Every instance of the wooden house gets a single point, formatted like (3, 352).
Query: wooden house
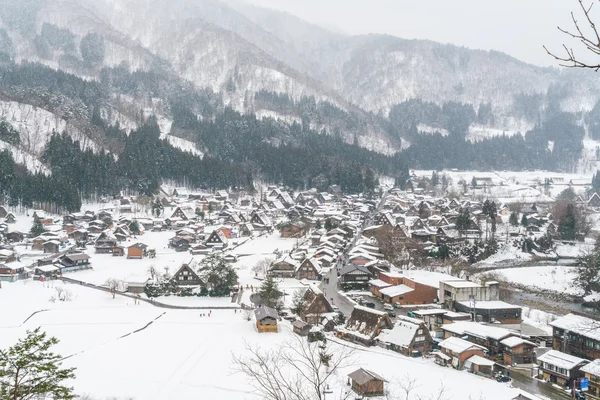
(293, 230)
(184, 213)
(186, 276)
(10, 218)
(364, 325)
(409, 336)
(105, 243)
(460, 350)
(517, 350)
(266, 319)
(11, 272)
(179, 244)
(15, 236)
(577, 334)
(309, 269)
(37, 243)
(217, 239)
(594, 201)
(355, 274)
(75, 260)
(51, 246)
(246, 230)
(260, 221)
(314, 305)
(366, 383)
(3, 212)
(137, 250)
(591, 371)
(560, 368)
(283, 268)
(7, 255)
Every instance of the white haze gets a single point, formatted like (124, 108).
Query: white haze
(516, 27)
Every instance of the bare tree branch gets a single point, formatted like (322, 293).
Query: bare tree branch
(590, 41)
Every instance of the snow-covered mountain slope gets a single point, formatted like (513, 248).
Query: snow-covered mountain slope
(36, 126)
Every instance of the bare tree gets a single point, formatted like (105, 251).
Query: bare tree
(114, 285)
(153, 272)
(248, 314)
(262, 266)
(297, 370)
(63, 294)
(587, 34)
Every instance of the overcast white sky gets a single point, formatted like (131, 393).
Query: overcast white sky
(516, 27)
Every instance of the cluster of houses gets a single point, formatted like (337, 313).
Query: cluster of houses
(433, 219)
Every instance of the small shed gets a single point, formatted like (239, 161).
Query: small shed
(301, 328)
(137, 250)
(479, 365)
(51, 246)
(366, 383)
(118, 251)
(266, 319)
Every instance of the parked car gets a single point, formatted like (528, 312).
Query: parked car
(397, 305)
(369, 304)
(388, 307)
(502, 378)
(391, 314)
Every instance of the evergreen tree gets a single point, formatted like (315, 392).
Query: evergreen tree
(524, 220)
(134, 227)
(37, 228)
(218, 275)
(463, 221)
(269, 292)
(30, 370)
(157, 207)
(370, 181)
(435, 180)
(567, 223)
(473, 183)
(513, 219)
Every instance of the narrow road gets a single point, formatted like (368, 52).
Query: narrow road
(534, 386)
(330, 287)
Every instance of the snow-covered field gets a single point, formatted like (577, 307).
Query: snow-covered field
(556, 278)
(181, 355)
(517, 186)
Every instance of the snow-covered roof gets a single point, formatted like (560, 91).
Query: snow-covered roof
(476, 329)
(478, 360)
(489, 305)
(428, 278)
(561, 360)
(432, 311)
(461, 283)
(514, 341)
(592, 368)
(379, 283)
(459, 345)
(401, 335)
(579, 324)
(394, 291)
(47, 268)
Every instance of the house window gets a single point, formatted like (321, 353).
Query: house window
(420, 331)
(419, 338)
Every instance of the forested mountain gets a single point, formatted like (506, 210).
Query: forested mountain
(105, 95)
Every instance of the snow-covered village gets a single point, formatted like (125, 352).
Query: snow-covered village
(299, 200)
(458, 285)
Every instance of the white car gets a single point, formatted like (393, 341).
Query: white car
(388, 307)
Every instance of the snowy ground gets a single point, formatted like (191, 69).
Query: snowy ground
(556, 278)
(517, 186)
(180, 355)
